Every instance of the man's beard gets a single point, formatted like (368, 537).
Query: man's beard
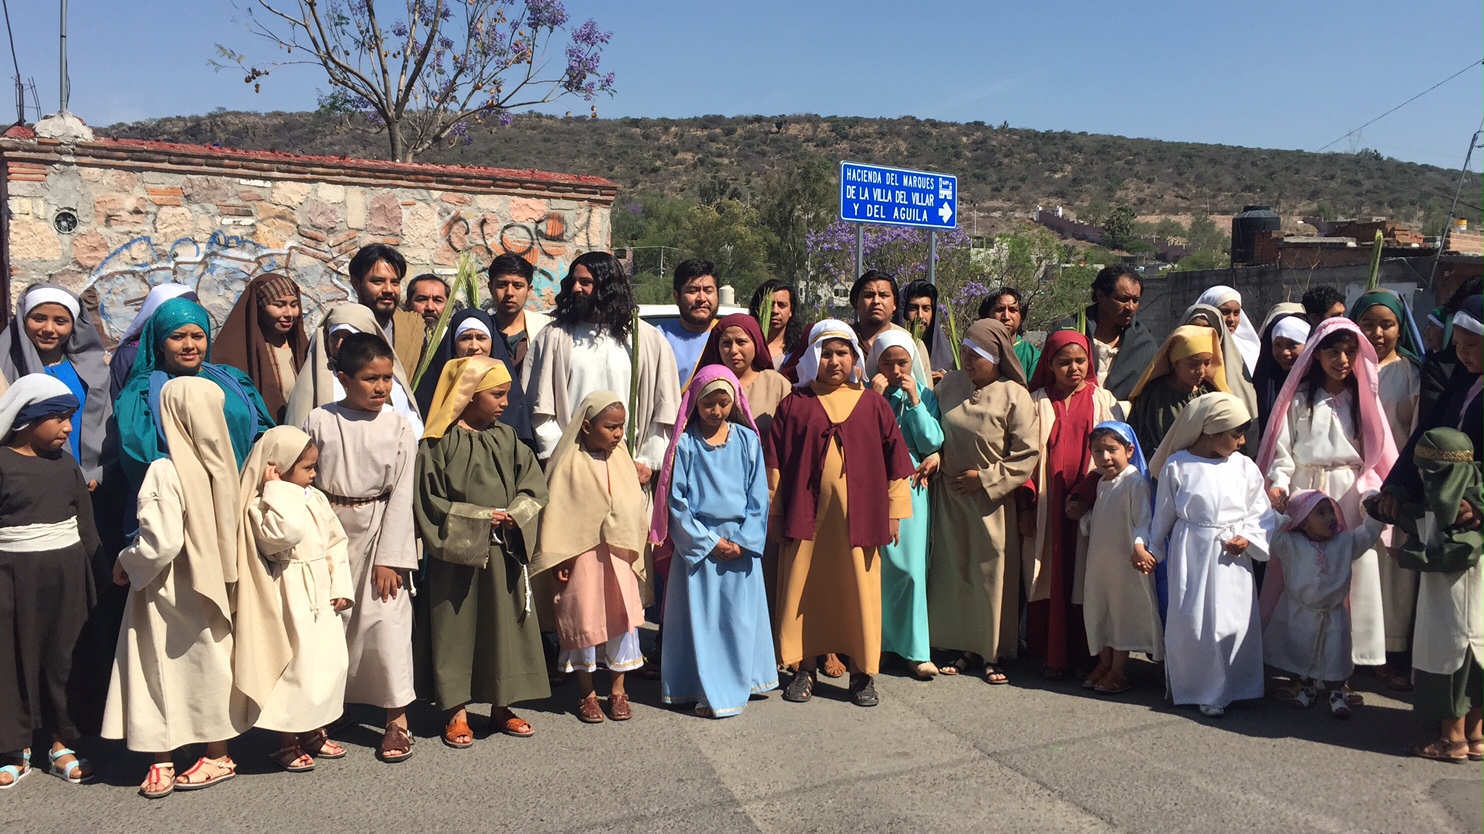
(584, 305)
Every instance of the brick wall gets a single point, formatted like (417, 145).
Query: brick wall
(212, 218)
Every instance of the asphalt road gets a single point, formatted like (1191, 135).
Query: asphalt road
(946, 755)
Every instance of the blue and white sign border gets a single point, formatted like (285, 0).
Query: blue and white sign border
(943, 215)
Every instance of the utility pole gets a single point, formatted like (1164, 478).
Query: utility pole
(1448, 222)
(65, 87)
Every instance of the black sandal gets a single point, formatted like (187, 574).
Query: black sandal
(863, 690)
(801, 688)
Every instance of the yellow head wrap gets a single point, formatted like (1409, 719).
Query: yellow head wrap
(460, 381)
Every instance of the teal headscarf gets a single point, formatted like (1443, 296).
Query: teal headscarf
(139, 436)
(1409, 341)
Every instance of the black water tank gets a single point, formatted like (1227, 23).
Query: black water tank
(1245, 228)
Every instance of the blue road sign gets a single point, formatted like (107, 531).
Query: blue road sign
(897, 197)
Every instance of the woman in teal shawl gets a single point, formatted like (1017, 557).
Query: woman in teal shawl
(136, 409)
(1387, 324)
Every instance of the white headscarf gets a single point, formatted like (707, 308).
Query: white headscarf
(29, 390)
(1246, 336)
(828, 329)
(158, 295)
(471, 323)
(890, 338)
(51, 295)
(1292, 328)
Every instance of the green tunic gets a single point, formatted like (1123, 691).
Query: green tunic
(486, 646)
(1153, 412)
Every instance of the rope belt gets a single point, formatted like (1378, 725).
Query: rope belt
(342, 501)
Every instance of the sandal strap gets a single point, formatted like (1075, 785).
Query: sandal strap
(225, 763)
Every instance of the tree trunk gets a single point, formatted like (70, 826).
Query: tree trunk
(394, 136)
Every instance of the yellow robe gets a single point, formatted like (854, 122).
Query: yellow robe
(829, 593)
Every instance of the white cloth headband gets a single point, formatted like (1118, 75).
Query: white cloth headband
(51, 295)
(1292, 328)
(982, 352)
(343, 328)
(1468, 322)
(808, 369)
(158, 295)
(471, 323)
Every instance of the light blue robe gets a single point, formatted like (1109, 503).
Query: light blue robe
(904, 617)
(718, 647)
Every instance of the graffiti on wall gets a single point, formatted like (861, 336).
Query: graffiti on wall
(219, 267)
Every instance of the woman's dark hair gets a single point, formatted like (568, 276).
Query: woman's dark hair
(1316, 376)
(613, 298)
(1108, 277)
(373, 253)
(359, 350)
(921, 289)
(794, 330)
(986, 307)
(1099, 434)
(871, 276)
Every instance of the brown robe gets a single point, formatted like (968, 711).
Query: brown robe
(974, 569)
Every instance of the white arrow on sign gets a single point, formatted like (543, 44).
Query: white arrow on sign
(945, 212)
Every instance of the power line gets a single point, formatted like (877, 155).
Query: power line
(1399, 106)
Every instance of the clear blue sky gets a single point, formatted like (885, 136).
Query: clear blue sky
(1267, 74)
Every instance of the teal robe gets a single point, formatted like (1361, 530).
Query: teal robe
(904, 617)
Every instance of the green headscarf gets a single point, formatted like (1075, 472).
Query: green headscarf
(140, 443)
(1407, 339)
(1450, 476)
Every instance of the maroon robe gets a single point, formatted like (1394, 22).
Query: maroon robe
(874, 454)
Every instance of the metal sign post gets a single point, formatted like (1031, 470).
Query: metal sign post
(897, 197)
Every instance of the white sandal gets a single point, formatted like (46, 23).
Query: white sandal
(1304, 697)
(1339, 705)
(17, 773)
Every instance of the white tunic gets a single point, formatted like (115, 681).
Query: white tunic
(307, 560)
(1309, 633)
(1450, 620)
(1213, 641)
(1119, 606)
(1319, 448)
(172, 671)
(599, 363)
(1400, 383)
(371, 456)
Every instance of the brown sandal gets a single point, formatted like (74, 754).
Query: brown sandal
(395, 738)
(618, 707)
(1443, 750)
(1096, 676)
(317, 743)
(293, 758)
(511, 724)
(1476, 750)
(832, 666)
(589, 711)
(453, 730)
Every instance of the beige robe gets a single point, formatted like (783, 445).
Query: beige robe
(308, 563)
(1400, 384)
(364, 455)
(829, 593)
(172, 670)
(535, 322)
(974, 570)
(1034, 551)
(764, 394)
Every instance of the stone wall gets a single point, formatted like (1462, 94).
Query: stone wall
(1166, 297)
(119, 216)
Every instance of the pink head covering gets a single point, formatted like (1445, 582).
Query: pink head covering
(1379, 449)
(1303, 502)
(659, 526)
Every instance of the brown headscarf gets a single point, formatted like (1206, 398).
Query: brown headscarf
(241, 343)
(991, 336)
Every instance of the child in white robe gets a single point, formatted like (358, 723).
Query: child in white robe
(290, 657)
(1211, 519)
(1309, 632)
(1119, 608)
(367, 457)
